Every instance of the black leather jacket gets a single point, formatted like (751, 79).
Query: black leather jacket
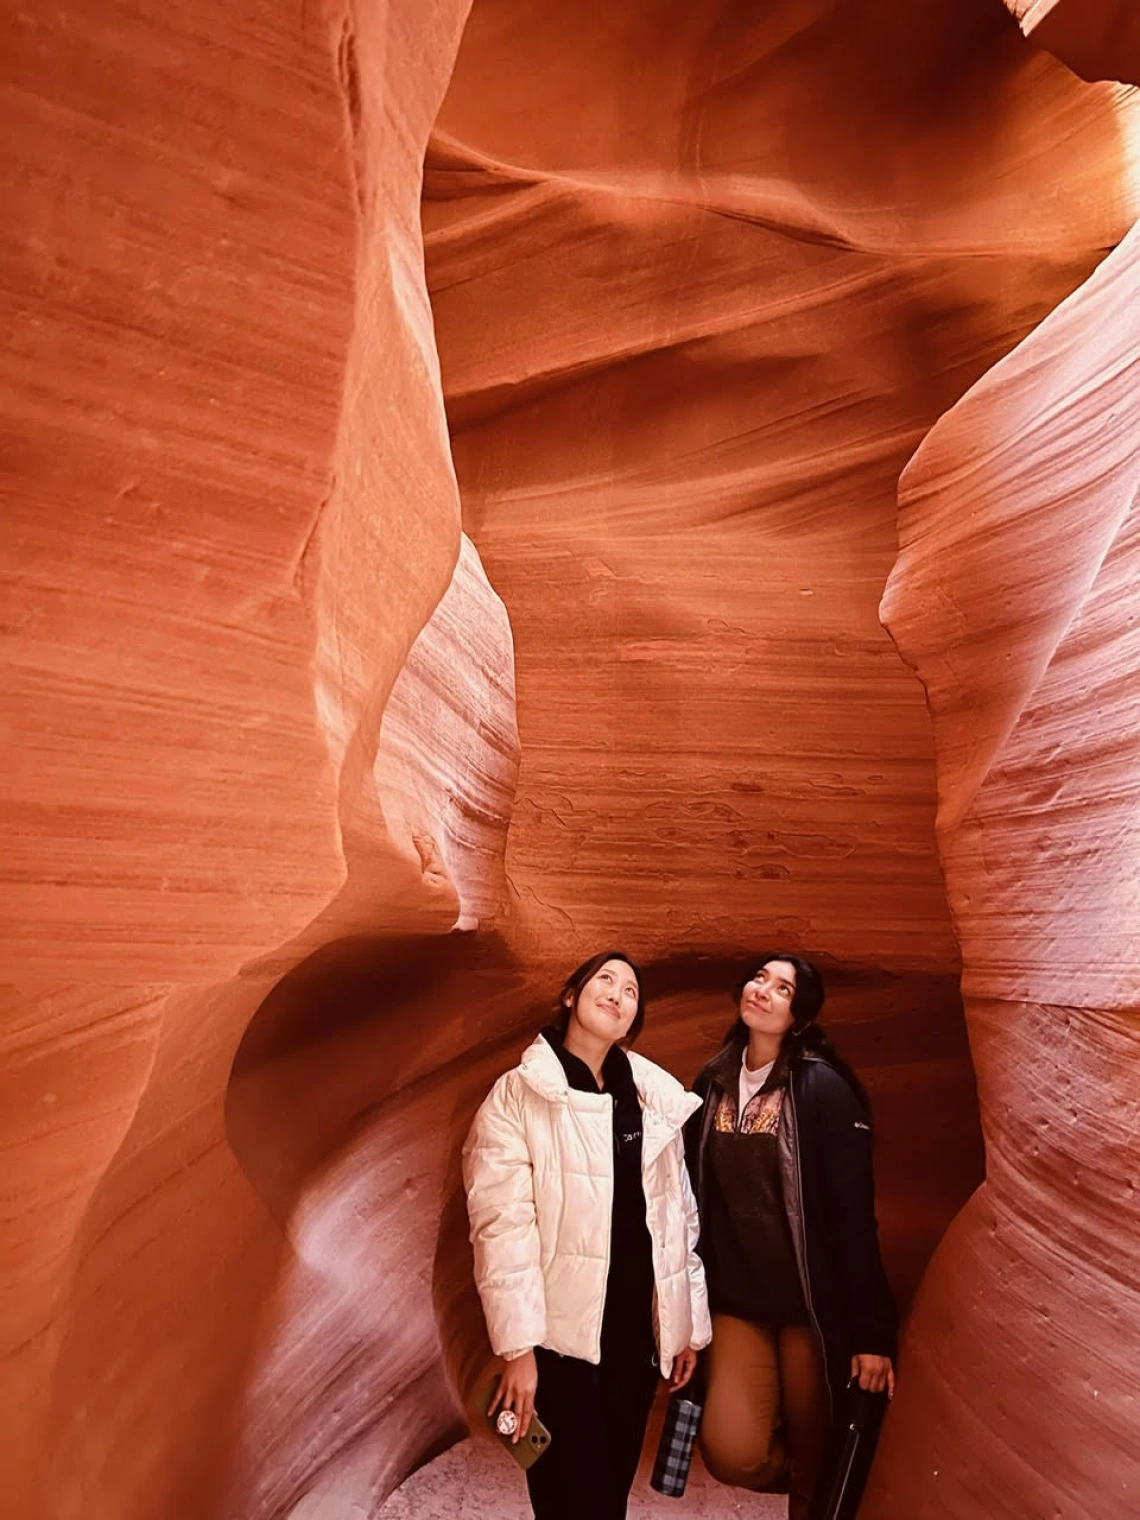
(829, 1195)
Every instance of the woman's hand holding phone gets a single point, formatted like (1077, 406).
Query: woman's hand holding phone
(516, 1391)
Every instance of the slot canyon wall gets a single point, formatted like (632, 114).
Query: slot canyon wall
(320, 648)
(241, 642)
(1019, 524)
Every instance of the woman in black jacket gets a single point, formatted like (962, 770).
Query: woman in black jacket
(780, 1155)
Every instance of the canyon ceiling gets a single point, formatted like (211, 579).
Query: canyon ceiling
(487, 481)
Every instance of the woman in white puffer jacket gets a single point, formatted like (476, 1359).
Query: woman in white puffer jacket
(585, 1228)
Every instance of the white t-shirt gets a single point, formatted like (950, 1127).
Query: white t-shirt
(750, 1083)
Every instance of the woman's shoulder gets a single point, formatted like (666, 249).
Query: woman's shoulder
(661, 1088)
(506, 1094)
(821, 1083)
(654, 1078)
(537, 1074)
(721, 1069)
(497, 1118)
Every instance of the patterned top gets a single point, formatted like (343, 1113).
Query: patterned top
(761, 1117)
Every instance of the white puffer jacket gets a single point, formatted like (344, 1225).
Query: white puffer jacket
(538, 1166)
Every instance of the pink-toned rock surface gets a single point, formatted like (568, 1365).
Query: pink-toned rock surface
(230, 512)
(688, 503)
(693, 317)
(1015, 597)
(445, 765)
(700, 286)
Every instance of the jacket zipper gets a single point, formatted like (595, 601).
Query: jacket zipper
(609, 1229)
(658, 1335)
(801, 1241)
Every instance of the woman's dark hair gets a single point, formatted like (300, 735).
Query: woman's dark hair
(572, 986)
(805, 1036)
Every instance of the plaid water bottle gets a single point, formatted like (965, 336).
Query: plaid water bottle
(675, 1449)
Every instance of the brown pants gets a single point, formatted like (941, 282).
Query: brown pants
(758, 1380)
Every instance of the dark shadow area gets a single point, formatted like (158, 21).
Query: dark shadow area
(346, 1031)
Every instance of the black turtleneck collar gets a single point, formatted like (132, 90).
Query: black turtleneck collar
(617, 1073)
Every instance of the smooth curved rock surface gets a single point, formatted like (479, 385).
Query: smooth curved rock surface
(693, 318)
(260, 688)
(685, 501)
(1098, 39)
(446, 761)
(1015, 598)
(221, 551)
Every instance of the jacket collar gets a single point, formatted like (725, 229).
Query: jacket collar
(661, 1094)
(663, 1099)
(542, 1072)
(724, 1068)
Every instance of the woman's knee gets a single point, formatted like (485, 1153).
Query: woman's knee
(738, 1440)
(741, 1463)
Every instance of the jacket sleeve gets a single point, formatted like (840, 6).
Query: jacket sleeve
(848, 1185)
(698, 1290)
(693, 1126)
(499, 1179)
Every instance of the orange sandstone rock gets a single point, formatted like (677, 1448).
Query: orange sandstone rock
(231, 511)
(1098, 39)
(1015, 598)
(699, 290)
(700, 284)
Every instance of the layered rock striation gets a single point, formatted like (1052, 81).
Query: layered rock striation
(694, 315)
(294, 606)
(232, 527)
(1015, 598)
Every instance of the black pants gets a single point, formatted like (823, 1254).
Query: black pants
(597, 1418)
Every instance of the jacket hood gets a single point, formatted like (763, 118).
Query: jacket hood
(660, 1093)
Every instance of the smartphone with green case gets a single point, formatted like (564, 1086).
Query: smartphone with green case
(536, 1441)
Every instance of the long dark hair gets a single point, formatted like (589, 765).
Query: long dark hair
(572, 986)
(805, 1037)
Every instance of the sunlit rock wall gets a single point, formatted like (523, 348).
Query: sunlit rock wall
(701, 284)
(231, 517)
(1015, 596)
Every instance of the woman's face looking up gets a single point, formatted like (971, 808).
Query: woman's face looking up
(607, 1003)
(766, 1001)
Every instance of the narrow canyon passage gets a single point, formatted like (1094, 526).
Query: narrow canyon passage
(677, 446)
(457, 523)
